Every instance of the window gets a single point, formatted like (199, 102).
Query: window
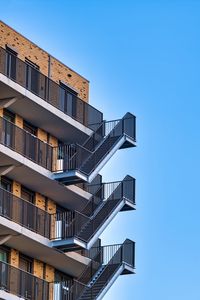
(25, 264)
(11, 62)
(32, 76)
(30, 140)
(6, 183)
(28, 195)
(6, 198)
(30, 128)
(68, 100)
(28, 214)
(4, 255)
(8, 132)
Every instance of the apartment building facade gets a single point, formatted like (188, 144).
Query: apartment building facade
(54, 204)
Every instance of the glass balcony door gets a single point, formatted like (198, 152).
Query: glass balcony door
(3, 269)
(6, 198)
(28, 216)
(67, 99)
(8, 129)
(32, 77)
(30, 142)
(26, 284)
(11, 63)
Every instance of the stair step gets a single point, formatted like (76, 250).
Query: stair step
(91, 226)
(95, 158)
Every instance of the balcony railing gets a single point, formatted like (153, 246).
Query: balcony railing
(47, 89)
(84, 225)
(25, 213)
(22, 284)
(108, 260)
(69, 223)
(62, 158)
(25, 144)
(85, 158)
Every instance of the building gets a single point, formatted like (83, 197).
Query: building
(53, 202)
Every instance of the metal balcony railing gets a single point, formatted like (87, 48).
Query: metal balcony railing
(25, 213)
(85, 158)
(47, 89)
(25, 144)
(22, 284)
(69, 223)
(84, 225)
(108, 261)
(62, 158)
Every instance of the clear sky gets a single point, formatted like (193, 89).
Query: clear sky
(143, 57)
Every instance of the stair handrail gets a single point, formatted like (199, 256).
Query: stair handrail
(78, 146)
(93, 260)
(112, 252)
(103, 123)
(106, 137)
(88, 266)
(72, 225)
(93, 151)
(121, 251)
(92, 219)
(93, 196)
(91, 136)
(71, 146)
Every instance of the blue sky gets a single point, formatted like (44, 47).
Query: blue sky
(143, 57)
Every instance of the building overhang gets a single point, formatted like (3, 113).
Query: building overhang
(39, 247)
(76, 243)
(39, 179)
(41, 113)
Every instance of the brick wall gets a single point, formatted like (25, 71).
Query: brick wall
(58, 71)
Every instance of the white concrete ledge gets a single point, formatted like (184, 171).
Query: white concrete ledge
(44, 104)
(8, 296)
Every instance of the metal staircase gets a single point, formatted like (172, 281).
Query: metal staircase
(113, 261)
(81, 230)
(116, 260)
(83, 162)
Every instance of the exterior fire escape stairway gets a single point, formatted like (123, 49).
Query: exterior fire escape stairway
(83, 162)
(108, 263)
(82, 229)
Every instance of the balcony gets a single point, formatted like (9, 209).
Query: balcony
(108, 263)
(79, 163)
(82, 229)
(27, 228)
(25, 214)
(43, 102)
(27, 159)
(21, 284)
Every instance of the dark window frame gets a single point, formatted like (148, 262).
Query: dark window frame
(30, 192)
